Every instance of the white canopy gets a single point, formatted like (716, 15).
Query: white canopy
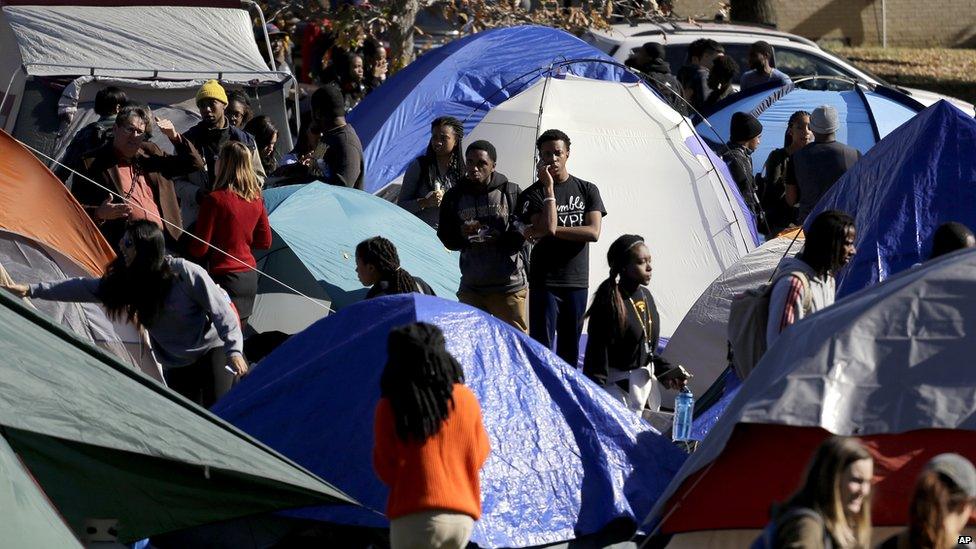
(701, 341)
(637, 151)
(136, 41)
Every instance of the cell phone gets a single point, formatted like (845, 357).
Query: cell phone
(678, 372)
(229, 369)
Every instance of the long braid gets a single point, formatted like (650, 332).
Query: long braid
(382, 254)
(457, 155)
(419, 379)
(608, 302)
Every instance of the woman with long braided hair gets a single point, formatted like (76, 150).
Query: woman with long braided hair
(621, 348)
(430, 176)
(429, 442)
(378, 266)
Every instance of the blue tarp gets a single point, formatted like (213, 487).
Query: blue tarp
(464, 79)
(865, 116)
(322, 224)
(920, 176)
(565, 460)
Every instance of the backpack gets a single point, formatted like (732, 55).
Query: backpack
(767, 538)
(748, 319)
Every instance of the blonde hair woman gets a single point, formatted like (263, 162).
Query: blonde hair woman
(832, 508)
(232, 219)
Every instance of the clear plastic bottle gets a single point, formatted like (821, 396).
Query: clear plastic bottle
(684, 407)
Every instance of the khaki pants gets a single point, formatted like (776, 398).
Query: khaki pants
(507, 307)
(431, 530)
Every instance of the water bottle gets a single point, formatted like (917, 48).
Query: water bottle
(684, 406)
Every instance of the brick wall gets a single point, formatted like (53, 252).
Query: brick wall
(858, 22)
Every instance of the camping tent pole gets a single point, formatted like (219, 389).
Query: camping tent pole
(538, 122)
(264, 31)
(10, 84)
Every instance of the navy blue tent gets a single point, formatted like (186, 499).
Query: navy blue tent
(865, 115)
(566, 459)
(920, 176)
(464, 79)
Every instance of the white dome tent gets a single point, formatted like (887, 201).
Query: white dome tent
(655, 177)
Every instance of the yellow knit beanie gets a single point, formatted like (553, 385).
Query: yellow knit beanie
(212, 90)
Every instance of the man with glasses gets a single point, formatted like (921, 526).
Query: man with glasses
(129, 178)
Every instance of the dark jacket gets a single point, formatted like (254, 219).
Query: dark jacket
(658, 75)
(496, 265)
(815, 168)
(208, 142)
(157, 168)
(382, 288)
(739, 160)
(87, 139)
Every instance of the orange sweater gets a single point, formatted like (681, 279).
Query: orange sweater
(441, 472)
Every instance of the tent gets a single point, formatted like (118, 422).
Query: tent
(866, 115)
(315, 230)
(920, 176)
(701, 341)
(655, 177)
(29, 519)
(138, 46)
(566, 459)
(463, 79)
(890, 364)
(35, 204)
(27, 261)
(106, 443)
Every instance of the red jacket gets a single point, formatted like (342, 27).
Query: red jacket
(234, 225)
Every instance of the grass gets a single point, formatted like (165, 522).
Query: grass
(942, 70)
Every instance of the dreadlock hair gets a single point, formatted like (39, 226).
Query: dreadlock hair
(419, 379)
(382, 254)
(788, 139)
(824, 246)
(608, 303)
(457, 155)
(136, 292)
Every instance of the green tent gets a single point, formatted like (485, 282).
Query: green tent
(28, 518)
(107, 442)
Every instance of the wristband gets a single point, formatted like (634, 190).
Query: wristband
(548, 198)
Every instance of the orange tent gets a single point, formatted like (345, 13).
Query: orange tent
(34, 203)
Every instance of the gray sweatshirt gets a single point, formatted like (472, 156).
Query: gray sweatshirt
(789, 294)
(196, 315)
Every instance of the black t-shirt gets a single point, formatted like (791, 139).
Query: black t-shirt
(609, 347)
(557, 263)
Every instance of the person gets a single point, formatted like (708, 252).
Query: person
(479, 219)
(138, 172)
(832, 508)
(266, 138)
(724, 70)
(351, 78)
(232, 218)
(211, 133)
(745, 135)
(430, 176)
(762, 67)
(429, 442)
(650, 60)
(693, 76)
(378, 266)
(944, 499)
(772, 182)
(338, 157)
(238, 111)
(625, 328)
(192, 328)
(108, 103)
(376, 65)
(280, 47)
(806, 282)
(816, 167)
(563, 215)
(950, 237)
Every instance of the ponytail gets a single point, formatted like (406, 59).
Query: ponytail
(382, 254)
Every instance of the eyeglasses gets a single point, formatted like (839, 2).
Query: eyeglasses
(133, 131)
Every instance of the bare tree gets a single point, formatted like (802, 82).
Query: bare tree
(753, 11)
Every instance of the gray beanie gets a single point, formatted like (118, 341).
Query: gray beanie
(824, 120)
(957, 469)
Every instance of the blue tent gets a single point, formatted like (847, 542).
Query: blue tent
(866, 116)
(464, 79)
(315, 230)
(920, 176)
(566, 459)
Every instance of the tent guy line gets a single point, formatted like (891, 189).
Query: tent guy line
(190, 234)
